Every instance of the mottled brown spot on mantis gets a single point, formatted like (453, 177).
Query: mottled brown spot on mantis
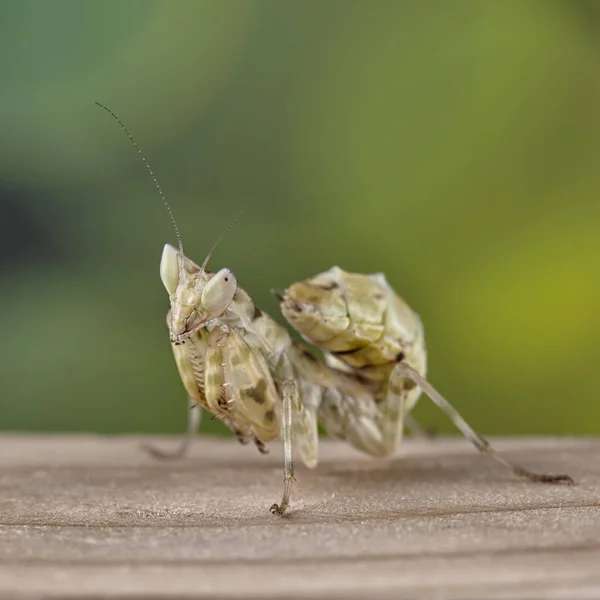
(396, 387)
(258, 392)
(260, 446)
(345, 352)
(408, 384)
(241, 438)
(361, 378)
(270, 415)
(257, 312)
(328, 286)
(309, 356)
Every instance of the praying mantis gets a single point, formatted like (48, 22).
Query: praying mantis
(242, 366)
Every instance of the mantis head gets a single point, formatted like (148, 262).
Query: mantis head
(197, 296)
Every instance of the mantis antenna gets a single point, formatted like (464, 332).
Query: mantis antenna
(223, 234)
(147, 164)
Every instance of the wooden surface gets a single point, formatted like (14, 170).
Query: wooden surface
(91, 516)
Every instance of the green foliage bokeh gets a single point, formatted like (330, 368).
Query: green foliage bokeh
(452, 144)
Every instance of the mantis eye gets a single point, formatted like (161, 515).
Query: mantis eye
(169, 269)
(219, 291)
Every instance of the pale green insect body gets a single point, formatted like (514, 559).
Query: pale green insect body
(239, 364)
(242, 366)
(236, 363)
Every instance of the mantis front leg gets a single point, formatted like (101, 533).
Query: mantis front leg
(240, 391)
(289, 399)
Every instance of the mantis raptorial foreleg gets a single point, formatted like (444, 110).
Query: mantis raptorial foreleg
(403, 371)
(193, 423)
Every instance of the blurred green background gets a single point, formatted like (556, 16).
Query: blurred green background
(452, 144)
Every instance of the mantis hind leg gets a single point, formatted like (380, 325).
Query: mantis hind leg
(193, 423)
(403, 371)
